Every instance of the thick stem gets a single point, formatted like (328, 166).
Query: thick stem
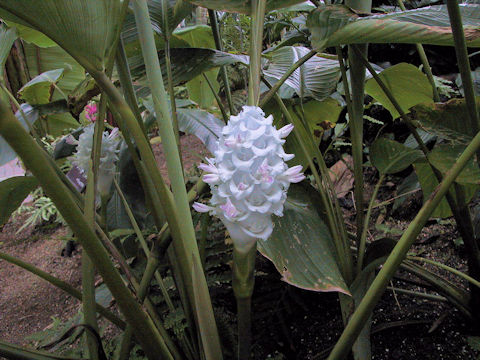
(212, 14)
(256, 43)
(34, 159)
(243, 283)
(398, 254)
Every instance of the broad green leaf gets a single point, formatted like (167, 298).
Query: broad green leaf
(390, 157)
(40, 60)
(301, 247)
(200, 36)
(31, 115)
(187, 63)
(31, 36)
(202, 124)
(177, 11)
(39, 90)
(429, 182)
(12, 193)
(86, 29)
(408, 85)
(334, 25)
(317, 78)
(7, 38)
(448, 120)
(242, 6)
(58, 123)
(443, 157)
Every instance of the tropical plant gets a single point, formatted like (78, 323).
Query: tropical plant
(130, 57)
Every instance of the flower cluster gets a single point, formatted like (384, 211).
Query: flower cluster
(91, 112)
(108, 156)
(248, 176)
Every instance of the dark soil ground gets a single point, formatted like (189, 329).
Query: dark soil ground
(289, 323)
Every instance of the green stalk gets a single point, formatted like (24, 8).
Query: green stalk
(16, 352)
(418, 294)
(447, 268)
(243, 283)
(363, 238)
(33, 158)
(463, 63)
(398, 254)
(256, 37)
(186, 246)
(266, 98)
(62, 285)
(212, 14)
(217, 98)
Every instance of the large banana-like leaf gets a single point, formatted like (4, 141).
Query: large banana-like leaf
(390, 157)
(317, 78)
(7, 37)
(177, 10)
(301, 246)
(12, 193)
(333, 25)
(242, 6)
(86, 29)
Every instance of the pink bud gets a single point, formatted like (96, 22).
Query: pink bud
(202, 208)
(229, 209)
(211, 178)
(209, 168)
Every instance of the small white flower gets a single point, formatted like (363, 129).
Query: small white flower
(248, 176)
(108, 156)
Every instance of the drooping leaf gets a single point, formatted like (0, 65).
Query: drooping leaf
(39, 90)
(12, 193)
(202, 124)
(7, 37)
(198, 88)
(242, 6)
(187, 63)
(390, 157)
(31, 115)
(443, 157)
(446, 120)
(31, 36)
(301, 247)
(177, 10)
(333, 25)
(317, 78)
(40, 60)
(408, 85)
(429, 182)
(86, 29)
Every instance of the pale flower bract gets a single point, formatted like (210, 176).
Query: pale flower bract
(249, 177)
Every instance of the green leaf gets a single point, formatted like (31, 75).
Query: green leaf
(408, 85)
(301, 247)
(200, 36)
(7, 38)
(242, 6)
(86, 29)
(40, 89)
(449, 120)
(202, 124)
(390, 157)
(12, 193)
(334, 25)
(429, 182)
(31, 36)
(40, 60)
(443, 157)
(177, 11)
(317, 78)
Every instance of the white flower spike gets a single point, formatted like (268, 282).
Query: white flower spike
(108, 156)
(248, 176)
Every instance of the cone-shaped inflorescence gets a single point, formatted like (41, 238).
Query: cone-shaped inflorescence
(248, 176)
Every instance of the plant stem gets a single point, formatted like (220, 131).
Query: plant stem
(463, 64)
(243, 283)
(256, 44)
(266, 98)
(397, 255)
(212, 14)
(363, 238)
(34, 159)
(69, 289)
(217, 98)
